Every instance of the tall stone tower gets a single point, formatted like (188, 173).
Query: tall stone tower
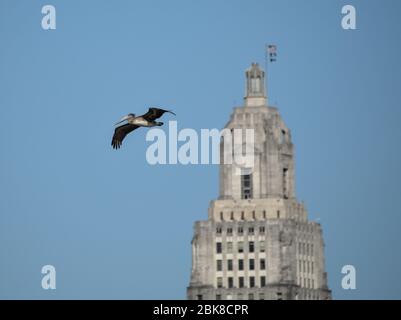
(257, 242)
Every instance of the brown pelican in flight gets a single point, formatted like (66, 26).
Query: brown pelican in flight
(134, 122)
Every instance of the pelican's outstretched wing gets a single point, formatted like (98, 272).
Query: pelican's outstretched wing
(154, 113)
(120, 133)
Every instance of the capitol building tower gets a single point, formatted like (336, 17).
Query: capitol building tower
(257, 243)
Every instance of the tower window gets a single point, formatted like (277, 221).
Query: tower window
(251, 246)
(246, 186)
(230, 265)
(251, 264)
(251, 282)
(282, 138)
(230, 282)
(262, 264)
(242, 215)
(240, 247)
(240, 230)
(262, 281)
(229, 231)
(241, 282)
(218, 247)
(219, 265)
(229, 247)
(251, 230)
(240, 264)
(264, 214)
(232, 215)
(262, 230)
(219, 282)
(285, 183)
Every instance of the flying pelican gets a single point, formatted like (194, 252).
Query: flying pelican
(134, 122)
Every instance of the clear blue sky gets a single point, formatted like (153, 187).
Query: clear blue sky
(116, 227)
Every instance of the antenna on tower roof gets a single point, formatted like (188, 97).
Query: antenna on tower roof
(270, 56)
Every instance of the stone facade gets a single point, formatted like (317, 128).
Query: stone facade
(257, 242)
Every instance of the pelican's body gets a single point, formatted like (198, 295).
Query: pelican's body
(141, 122)
(134, 122)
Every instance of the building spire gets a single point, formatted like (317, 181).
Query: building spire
(255, 92)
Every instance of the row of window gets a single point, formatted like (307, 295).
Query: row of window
(240, 230)
(241, 282)
(240, 247)
(309, 296)
(251, 264)
(240, 296)
(308, 228)
(247, 194)
(244, 115)
(305, 248)
(261, 295)
(305, 266)
(306, 283)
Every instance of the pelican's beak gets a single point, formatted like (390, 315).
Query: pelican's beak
(122, 120)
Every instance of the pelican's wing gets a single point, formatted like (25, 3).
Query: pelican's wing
(154, 113)
(120, 133)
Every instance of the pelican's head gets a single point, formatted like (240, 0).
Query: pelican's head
(127, 117)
